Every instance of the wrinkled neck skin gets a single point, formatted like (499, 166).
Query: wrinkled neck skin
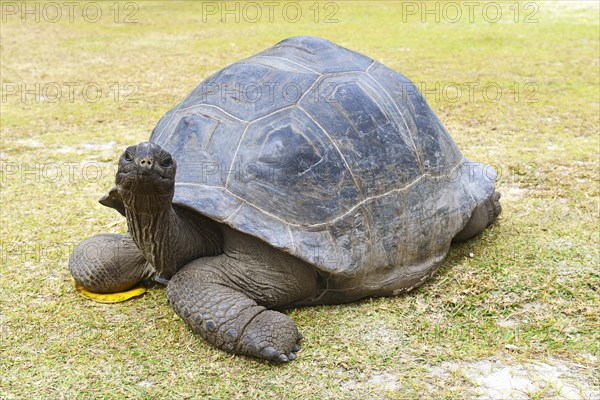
(168, 238)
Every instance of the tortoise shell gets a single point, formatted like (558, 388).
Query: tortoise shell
(328, 155)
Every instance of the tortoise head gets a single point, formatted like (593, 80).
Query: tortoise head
(146, 169)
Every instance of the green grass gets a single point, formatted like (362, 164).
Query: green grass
(531, 283)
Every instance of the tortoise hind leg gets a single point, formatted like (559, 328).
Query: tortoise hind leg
(483, 216)
(225, 300)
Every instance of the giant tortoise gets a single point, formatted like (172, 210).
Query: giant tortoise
(305, 174)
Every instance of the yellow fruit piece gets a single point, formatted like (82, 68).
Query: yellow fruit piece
(118, 297)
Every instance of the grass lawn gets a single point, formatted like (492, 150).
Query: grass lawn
(515, 83)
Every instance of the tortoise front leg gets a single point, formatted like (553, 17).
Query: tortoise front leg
(108, 263)
(217, 298)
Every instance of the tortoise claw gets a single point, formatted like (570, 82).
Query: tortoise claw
(269, 353)
(283, 358)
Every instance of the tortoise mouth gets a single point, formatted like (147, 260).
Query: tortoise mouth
(143, 175)
(145, 182)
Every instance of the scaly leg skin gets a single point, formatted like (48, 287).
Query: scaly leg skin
(108, 263)
(224, 313)
(482, 217)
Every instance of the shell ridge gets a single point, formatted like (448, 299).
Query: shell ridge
(359, 191)
(408, 132)
(291, 235)
(373, 62)
(339, 216)
(290, 61)
(309, 90)
(272, 113)
(232, 214)
(237, 149)
(200, 106)
(174, 112)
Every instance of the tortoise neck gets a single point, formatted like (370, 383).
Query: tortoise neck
(170, 237)
(152, 224)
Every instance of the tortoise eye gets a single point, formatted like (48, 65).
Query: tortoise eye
(128, 156)
(167, 162)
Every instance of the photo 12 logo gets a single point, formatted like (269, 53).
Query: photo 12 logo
(19, 253)
(69, 92)
(471, 11)
(267, 92)
(471, 92)
(12, 172)
(270, 11)
(69, 11)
